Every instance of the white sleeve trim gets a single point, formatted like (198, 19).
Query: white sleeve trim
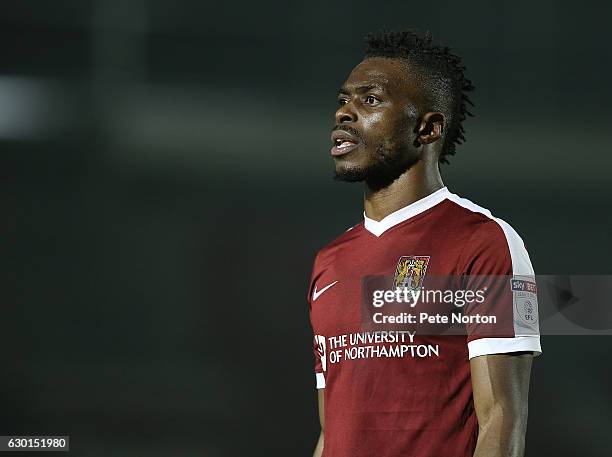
(486, 346)
(320, 380)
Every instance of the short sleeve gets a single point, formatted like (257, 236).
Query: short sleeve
(496, 262)
(319, 358)
(318, 341)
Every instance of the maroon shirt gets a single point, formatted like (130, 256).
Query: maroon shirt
(394, 394)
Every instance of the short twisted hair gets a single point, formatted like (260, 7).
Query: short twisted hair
(442, 76)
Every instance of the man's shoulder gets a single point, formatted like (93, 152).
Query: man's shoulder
(492, 235)
(350, 235)
(480, 219)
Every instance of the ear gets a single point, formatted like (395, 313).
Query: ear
(431, 127)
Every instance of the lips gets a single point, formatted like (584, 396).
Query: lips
(344, 142)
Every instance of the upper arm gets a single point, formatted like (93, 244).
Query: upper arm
(500, 384)
(321, 397)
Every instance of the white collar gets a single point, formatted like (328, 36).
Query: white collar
(379, 227)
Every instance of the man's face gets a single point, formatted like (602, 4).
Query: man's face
(374, 134)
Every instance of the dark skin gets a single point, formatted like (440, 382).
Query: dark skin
(389, 115)
(381, 103)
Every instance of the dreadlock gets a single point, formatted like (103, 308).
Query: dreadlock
(442, 73)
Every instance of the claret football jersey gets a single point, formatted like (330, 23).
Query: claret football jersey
(401, 393)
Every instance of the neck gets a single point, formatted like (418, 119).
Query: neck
(419, 181)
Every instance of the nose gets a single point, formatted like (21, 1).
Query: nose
(345, 113)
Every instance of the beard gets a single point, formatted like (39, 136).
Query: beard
(387, 165)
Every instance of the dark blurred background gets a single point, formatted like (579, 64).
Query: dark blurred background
(167, 184)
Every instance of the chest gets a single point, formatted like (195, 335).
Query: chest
(344, 281)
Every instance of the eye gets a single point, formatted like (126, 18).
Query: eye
(371, 100)
(342, 101)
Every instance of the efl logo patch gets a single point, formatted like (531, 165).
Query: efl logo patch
(525, 298)
(410, 271)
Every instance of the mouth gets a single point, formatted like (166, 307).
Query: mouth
(343, 143)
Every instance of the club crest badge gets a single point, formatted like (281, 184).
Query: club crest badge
(410, 272)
